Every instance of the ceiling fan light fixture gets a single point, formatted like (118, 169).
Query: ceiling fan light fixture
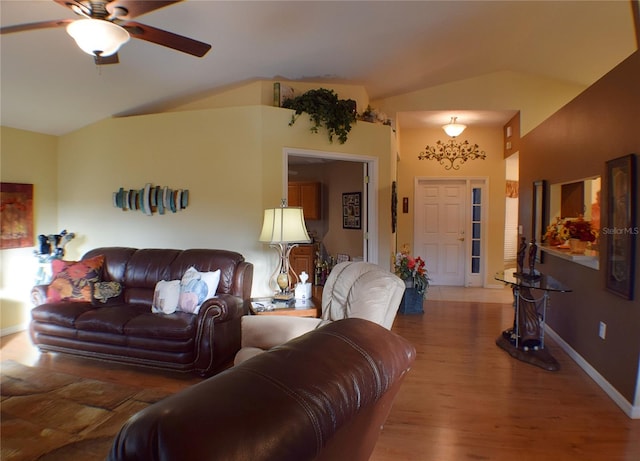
(98, 37)
(453, 129)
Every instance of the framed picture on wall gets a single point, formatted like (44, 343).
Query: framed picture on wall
(16, 224)
(351, 206)
(621, 232)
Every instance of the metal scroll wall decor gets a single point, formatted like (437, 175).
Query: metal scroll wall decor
(452, 152)
(151, 199)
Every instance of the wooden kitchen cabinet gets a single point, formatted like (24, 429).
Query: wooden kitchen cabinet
(302, 258)
(307, 195)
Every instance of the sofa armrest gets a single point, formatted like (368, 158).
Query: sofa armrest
(218, 331)
(39, 294)
(223, 307)
(243, 281)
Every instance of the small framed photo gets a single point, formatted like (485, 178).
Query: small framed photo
(351, 210)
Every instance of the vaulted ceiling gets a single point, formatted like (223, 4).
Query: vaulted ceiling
(390, 47)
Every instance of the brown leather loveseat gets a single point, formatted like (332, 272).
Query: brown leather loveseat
(322, 396)
(129, 332)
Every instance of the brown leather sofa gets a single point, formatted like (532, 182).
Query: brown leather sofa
(322, 396)
(130, 333)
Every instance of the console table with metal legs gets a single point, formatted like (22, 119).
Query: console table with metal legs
(525, 340)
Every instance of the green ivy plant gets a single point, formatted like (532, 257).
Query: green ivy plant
(324, 108)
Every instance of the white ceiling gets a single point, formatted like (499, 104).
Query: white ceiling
(391, 47)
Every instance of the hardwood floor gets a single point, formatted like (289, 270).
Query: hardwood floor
(464, 399)
(467, 399)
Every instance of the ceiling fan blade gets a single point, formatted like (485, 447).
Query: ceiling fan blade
(103, 60)
(168, 39)
(35, 26)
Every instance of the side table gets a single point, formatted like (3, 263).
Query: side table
(265, 306)
(525, 341)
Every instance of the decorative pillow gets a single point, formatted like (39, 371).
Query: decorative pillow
(72, 279)
(165, 297)
(106, 293)
(196, 287)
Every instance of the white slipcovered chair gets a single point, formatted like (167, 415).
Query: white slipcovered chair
(353, 289)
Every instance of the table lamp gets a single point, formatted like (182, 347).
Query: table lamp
(283, 228)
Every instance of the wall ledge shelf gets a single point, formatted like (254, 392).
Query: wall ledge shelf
(590, 259)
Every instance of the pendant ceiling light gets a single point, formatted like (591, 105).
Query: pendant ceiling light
(454, 129)
(98, 37)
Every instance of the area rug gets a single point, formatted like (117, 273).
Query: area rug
(49, 416)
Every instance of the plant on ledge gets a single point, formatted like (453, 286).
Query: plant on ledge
(580, 229)
(324, 108)
(412, 269)
(556, 233)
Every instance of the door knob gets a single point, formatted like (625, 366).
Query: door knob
(461, 239)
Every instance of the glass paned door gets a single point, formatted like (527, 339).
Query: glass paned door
(476, 229)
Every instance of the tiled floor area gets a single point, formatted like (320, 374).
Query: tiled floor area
(485, 295)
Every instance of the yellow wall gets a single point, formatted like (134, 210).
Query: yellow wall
(260, 92)
(536, 97)
(227, 149)
(366, 140)
(489, 140)
(30, 158)
(230, 159)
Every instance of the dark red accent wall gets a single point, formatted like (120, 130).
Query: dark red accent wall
(600, 124)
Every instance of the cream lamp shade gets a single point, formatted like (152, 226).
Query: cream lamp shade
(453, 129)
(284, 225)
(98, 37)
(283, 228)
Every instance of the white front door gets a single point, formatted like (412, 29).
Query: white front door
(439, 229)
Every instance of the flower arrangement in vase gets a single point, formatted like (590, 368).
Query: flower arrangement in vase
(412, 269)
(556, 233)
(580, 229)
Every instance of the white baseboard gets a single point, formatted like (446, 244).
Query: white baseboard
(627, 407)
(14, 329)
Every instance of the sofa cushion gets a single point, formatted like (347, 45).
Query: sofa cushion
(165, 297)
(147, 266)
(176, 326)
(106, 294)
(110, 319)
(195, 288)
(72, 279)
(64, 314)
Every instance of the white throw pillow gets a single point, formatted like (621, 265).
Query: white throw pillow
(195, 288)
(165, 297)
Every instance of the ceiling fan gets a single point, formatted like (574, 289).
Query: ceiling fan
(105, 26)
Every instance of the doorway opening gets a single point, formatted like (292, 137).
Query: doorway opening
(512, 173)
(338, 174)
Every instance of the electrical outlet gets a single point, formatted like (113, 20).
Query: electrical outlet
(602, 331)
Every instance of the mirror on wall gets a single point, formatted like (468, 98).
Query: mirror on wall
(539, 220)
(572, 199)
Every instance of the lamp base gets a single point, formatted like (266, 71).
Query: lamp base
(281, 297)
